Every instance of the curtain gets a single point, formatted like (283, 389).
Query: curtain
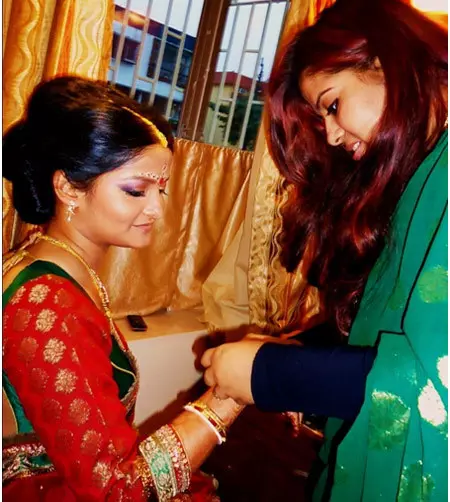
(259, 291)
(41, 39)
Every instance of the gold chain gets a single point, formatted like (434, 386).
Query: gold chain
(99, 286)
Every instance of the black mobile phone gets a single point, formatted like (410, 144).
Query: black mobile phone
(137, 323)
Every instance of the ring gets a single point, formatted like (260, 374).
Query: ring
(215, 394)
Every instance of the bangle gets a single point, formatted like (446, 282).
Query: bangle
(145, 474)
(180, 462)
(211, 418)
(220, 440)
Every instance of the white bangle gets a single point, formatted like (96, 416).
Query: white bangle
(206, 421)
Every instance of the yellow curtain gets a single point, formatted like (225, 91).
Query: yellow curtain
(206, 204)
(41, 39)
(258, 290)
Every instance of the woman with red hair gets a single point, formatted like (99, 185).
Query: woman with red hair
(357, 125)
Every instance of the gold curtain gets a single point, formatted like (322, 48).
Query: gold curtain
(41, 39)
(258, 290)
(206, 204)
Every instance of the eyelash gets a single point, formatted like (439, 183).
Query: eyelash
(140, 193)
(333, 108)
(135, 193)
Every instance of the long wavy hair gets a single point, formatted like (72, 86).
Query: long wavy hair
(339, 210)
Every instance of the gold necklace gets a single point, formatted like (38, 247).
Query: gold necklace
(99, 286)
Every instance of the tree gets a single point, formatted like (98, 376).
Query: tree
(239, 115)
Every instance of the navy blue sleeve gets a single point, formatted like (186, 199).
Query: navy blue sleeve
(328, 381)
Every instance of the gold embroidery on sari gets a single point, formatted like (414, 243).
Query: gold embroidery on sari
(17, 296)
(21, 320)
(433, 285)
(27, 349)
(101, 474)
(91, 443)
(79, 411)
(38, 293)
(63, 298)
(45, 320)
(17, 460)
(414, 484)
(39, 380)
(74, 356)
(65, 381)
(54, 351)
(388, 422)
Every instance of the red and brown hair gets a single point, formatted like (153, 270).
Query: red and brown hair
(341, 209)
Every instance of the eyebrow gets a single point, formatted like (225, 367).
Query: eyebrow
(319, 97)
(155, 179)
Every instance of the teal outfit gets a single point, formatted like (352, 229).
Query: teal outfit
(396, 449)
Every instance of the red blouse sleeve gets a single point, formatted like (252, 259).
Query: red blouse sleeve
(56, 355)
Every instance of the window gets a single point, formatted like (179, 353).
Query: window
(248, 46)
(129, 51)
(155, 57)
(153, 46)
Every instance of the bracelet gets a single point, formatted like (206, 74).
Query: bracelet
(220, 440)
(145, 474)
(180, 462)
(211, 418)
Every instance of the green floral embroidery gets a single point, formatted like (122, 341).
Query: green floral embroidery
(433, 285)
(414, 486)
(388, 421)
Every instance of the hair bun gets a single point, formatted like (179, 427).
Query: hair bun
(32, 195)
(15, 143)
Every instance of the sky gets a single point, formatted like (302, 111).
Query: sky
(159, 9)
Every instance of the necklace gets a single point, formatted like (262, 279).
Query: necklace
(99, 286)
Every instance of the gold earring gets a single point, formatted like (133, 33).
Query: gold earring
(70, 211)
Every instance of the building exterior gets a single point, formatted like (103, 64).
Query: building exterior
(226, 96)
(125, 73)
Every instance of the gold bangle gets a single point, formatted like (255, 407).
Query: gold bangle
(180, 462)
(212, 418)
(145, 475)
(160, 466)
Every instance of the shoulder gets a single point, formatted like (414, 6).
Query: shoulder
(48, 305)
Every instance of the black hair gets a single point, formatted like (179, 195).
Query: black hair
(79, 126)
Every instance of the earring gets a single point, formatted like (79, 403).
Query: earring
(70, 211)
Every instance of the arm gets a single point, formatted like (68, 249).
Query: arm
(283, 376)
(326, 381)
(56, 355)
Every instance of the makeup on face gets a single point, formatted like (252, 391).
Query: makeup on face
(137, 184)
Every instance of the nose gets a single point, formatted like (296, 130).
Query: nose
(155, 206)
(335, 134)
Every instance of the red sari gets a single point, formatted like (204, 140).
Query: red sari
(71, 389)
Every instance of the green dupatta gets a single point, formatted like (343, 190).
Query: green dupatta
(396, 450)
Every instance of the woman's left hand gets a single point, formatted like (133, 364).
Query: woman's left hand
(229, 369)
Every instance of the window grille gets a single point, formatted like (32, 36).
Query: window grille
(237, 96)
(152, 54)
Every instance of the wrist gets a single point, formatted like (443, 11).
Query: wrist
(227, 409)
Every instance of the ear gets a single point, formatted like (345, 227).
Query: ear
(65, 191)
(376, 64)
